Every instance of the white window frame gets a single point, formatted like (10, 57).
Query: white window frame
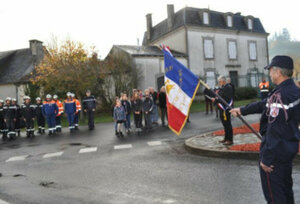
(231, 55)
(250, 23)
(208, 52)
(205, 18)
(229, 19)
(252, 51)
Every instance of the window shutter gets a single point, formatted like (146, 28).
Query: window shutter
(232, 50)
(252, 51)
(205, 18)
(208, 49)
(229, 21)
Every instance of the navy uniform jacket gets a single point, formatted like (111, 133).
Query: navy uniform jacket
(279, 128)
(89, 103)
(226, 92)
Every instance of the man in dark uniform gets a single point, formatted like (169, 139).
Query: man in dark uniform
(10, 117)
(89, 107)
(279, 129)
(2, 124)
(226, 93)
(18, 119)
(28, 114)
(39, 115)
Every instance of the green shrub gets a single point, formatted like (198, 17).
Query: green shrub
(242, 93)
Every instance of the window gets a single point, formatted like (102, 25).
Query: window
(208, 49)
(232, 50)
(253, 78)
(252, 51)
(205, 18)
(211, 79)
(229, 21)
(250, 25)
(234, 77)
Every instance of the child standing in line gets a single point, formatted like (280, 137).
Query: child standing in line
(127, 107)
(119, 117)
(137, 107)
(147, 109)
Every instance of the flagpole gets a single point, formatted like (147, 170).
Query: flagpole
(238, 115)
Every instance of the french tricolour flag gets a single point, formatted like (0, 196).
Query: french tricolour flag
(181, 87)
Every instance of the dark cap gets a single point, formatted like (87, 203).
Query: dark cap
(282, 62)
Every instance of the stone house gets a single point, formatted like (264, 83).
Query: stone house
(15, 69)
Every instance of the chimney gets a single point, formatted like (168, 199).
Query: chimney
(149, 25)
(36, 48)
(170, 9)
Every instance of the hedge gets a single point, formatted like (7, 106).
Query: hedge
(242, 93)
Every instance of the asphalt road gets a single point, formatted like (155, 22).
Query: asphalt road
(96, 167)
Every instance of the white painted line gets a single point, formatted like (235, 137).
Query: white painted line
(17, 158)
(126, 146)
(89, 149)
(55, 154)
(154, 143)
(3, 202)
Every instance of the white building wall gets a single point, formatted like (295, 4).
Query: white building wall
(13, 91)
(152, 68)
(175, 40)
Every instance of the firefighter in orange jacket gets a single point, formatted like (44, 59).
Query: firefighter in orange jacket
(78, 109)
(59, 114)
(264, 88)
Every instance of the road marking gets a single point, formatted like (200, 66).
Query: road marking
(154, 143)
(169, 201)
(3, 202)
(126, 146)
(17, 158)
(89, 149)
(55, 154)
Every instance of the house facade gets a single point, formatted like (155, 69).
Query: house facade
(15, 69)
(149, 60)
(214, 43)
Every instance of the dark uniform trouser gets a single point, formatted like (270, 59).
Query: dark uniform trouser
(90, 114)
(208, 105)
(76, 119)
(41, 123)
(58, 123)
(71, 117)
(29, 123)
(226, 121)
(163, 114)
(138, 120)
(148, 121)
(18, 125)
(277, 185)
(10, 127)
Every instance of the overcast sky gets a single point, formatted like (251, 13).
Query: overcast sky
(102, 23)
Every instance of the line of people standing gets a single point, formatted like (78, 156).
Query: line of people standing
(142, 105)
(14, 117)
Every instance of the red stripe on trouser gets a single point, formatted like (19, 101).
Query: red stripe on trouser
(175, 117)
(269, 187)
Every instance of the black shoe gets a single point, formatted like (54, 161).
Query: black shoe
(121, 134)
(76, 128)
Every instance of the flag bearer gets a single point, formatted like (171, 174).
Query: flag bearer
(10, 117)
(59, 114)
(50, 111)
(28, 114)
(70, 109)
(39, 115)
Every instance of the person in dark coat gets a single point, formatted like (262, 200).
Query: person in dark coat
(137, 107)
(28, 115)
(228, 81)
(226, 93)
(2, 123)
(10, 115)
(280, 117)
(39, 115)
(18, 123)
(147, 109)
(89, 107)
(162, 98)
(127, 107)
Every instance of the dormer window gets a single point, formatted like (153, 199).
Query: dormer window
(229, 21)
(250, 24)
(205, 18)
